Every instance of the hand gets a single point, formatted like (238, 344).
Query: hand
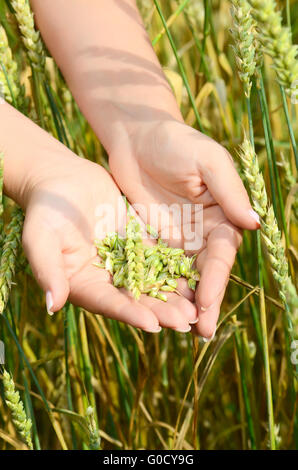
(169, 162)
(58, 239)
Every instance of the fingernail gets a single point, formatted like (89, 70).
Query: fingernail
(181, 330)
(254, 215)
(49, 302)
(157, 330)
(194, 321)
(207, 340)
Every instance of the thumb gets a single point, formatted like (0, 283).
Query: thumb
(44, 254)
(226, 187)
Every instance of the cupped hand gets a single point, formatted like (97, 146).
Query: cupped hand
(171, 163)
(62, 213)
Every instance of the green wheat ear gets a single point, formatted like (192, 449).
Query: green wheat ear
(277, 41)
(94, 437)
(8, 70)
(15, 404)
(244, 42)
(9, 255)
(31, 37)
(269, 227)
(254, 177)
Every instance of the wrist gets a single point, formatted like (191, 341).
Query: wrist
(31, 158)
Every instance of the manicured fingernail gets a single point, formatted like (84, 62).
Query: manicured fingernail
(254, 215)
(49, 302)
(182, 330)
(157, 330)
(207, 340)
(193, 322)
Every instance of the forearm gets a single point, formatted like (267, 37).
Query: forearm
(106, 57)
(30, 154)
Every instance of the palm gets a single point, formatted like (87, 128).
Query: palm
(166, 168)
(65, 212)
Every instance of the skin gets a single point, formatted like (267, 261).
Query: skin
(60, 194)
(106, 57)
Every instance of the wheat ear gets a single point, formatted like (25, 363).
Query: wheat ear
(8, 70)
(9, 255)
(277, 41)
(269, 227)
(15, 404)
(31, 37)
(244, 37)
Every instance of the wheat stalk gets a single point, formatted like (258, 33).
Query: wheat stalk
(31, 37)
(9, 256)
(15, 404)
(277, 41)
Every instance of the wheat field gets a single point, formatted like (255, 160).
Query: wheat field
(80, 381)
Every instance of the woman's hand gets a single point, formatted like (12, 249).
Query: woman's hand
(58, 238)
(168, 163)
(66, 200)
(120, 87)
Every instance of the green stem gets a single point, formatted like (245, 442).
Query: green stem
(27, 396)
(269, 156)
(250, 122)
(263, 317)
(291, 132)
(67, 375)
(274, 163)
(239, 348)
(199, 47)
(173, 17)
(180, 65)
(265, 348)
(37, 97)
(288, 11)
(206, 28)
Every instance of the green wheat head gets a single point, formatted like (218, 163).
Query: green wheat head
(15, 404)
(243, 33)
(277, 41)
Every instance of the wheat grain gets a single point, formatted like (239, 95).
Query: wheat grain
(142, 269)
